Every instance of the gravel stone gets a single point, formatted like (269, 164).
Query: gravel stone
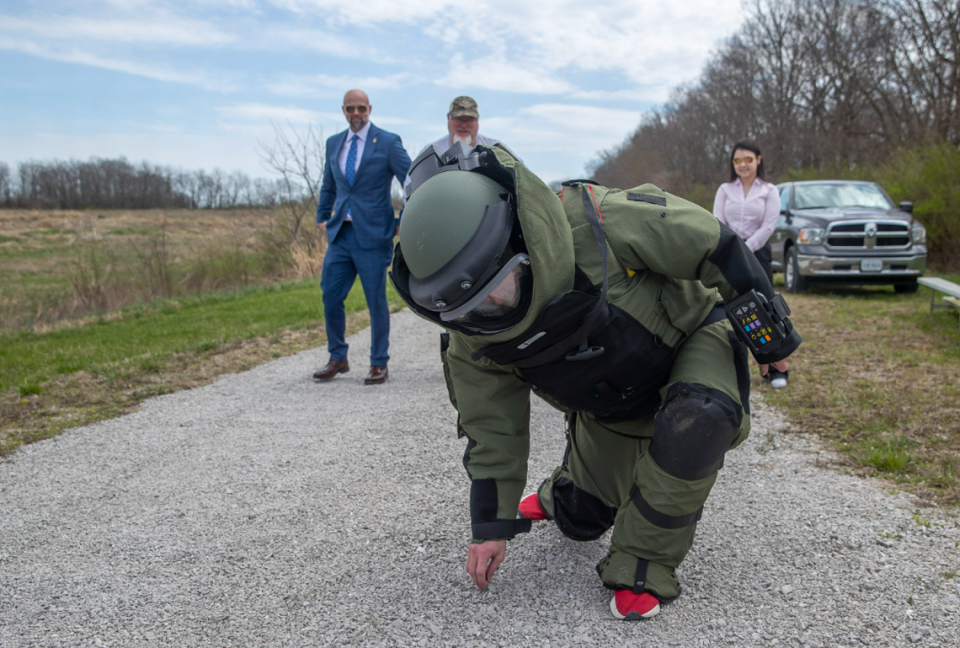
(268, 510)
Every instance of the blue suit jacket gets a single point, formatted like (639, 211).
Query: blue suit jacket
(368, 200)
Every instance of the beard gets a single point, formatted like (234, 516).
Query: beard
(462, 138)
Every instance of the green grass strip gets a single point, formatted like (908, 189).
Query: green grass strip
(150, 333)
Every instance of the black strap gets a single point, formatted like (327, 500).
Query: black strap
(716, 314)
(640, 576)
(500, 528)
(647, 198)
(594, 217)
(659, 519)
(596, 315)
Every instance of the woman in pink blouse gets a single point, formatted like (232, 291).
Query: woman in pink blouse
(749, 205)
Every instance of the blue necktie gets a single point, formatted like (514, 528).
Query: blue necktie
(351, 167)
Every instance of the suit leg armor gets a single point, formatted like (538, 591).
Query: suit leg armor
(657, 471)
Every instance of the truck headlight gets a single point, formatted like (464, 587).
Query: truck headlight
(918, 233)
(810, 236)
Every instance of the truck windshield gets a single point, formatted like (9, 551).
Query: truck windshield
(819, 196)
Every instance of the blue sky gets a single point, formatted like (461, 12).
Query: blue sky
(198, 84)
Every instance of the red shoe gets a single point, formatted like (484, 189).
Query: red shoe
(633, 607)
(530, 508)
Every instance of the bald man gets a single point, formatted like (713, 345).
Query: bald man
(356, 212)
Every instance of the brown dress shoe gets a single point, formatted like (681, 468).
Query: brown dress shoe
(377, 376)
(333, 368)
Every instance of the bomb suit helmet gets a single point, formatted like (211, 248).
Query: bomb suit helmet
(461, 259)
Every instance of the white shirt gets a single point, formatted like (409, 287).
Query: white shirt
(754, 216)
(345, 150)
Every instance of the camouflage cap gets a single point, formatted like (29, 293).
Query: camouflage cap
(464, 107)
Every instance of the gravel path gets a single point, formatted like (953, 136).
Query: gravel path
(266, 510)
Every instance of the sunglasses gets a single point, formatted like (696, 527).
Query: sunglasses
(747, 159)
(350, 109)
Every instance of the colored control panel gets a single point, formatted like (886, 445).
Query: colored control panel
(755, 323)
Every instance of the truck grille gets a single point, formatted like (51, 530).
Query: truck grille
(869, 235)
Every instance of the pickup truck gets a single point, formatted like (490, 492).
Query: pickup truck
(846, 232)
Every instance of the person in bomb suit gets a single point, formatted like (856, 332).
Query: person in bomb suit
(607, 304)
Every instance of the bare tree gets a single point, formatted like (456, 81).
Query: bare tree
(927, 63)
(297, 157)
(6, 188)
(818, 83)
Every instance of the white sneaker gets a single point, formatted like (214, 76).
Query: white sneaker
(778, 379)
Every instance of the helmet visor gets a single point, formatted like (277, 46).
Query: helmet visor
(499, 298)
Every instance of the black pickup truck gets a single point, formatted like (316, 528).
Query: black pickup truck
(846, 232)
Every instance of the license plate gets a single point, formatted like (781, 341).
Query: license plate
(871, 265)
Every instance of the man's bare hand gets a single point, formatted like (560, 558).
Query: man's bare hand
(322, 227)
(779, 365)
(483, 560)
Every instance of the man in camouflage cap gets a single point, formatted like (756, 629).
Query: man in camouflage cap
(463, 125)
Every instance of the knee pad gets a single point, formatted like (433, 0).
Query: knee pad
(578, 514)
(693, 430)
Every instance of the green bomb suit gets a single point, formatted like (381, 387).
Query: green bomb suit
(669, 263)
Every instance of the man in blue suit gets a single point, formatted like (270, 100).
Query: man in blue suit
(356, 212)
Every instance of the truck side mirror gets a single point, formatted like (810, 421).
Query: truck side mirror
(906, 206)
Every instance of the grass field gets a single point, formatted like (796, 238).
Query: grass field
(76, 375)
(60, 265)
(878, 375)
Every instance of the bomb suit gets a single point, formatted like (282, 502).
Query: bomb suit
(608, 305)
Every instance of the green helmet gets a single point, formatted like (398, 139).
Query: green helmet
(460, 259)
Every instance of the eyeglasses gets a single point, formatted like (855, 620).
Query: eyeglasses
(747, 159)
(360, 109)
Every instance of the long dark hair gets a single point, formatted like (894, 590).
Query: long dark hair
(746, 145)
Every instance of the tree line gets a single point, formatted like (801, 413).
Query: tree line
(819, 84)
(117, 183)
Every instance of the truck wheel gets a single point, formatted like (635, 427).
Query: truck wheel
(791, 273)
(911, 287)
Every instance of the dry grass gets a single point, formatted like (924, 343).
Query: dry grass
(878, 376)
(61, 265)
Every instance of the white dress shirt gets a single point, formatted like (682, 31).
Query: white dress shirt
(754, 216)
(345, 151)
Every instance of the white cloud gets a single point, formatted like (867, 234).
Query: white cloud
(371, 11)
(257, 114)
(199, 78)
(493, 74)
(325, 86)
(266, 113)
(572, 129)
(169, 31)
(647, 96)
(530, 45)
(297, 38)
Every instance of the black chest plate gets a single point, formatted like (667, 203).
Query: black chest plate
(616, 376)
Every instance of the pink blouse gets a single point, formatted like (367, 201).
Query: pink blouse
(752, 217)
